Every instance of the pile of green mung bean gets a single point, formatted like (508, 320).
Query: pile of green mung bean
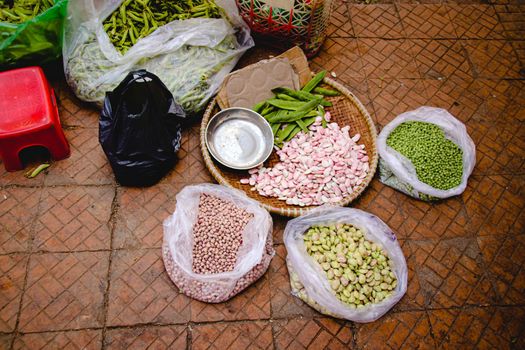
(136, 19)
(359, 271)
(437, 160)
(19, 11)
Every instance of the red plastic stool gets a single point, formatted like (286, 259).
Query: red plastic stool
(28, 116)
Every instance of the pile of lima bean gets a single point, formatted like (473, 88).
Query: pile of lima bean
(438, 161)
(19, 11)
(290, 111)
(359, 271)
(136, 19)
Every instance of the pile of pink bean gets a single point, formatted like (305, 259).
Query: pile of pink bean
(322, 166)
(217, 235)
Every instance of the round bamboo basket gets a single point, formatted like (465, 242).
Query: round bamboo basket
(346, 110)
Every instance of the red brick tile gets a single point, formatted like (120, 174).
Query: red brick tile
(496, 204)
(451, 272)
(190, 167)
(387, 59)
(499, 147)
(424, 220)
(478, 328)
(284, 304)
(318, 333)
(381, 201)
(503, 99)
(462, 98)
(426, 21)
(169, 337)
(340, 24)
(493, 59)
(74, 218)
(18, 208)
(73, 115)
(18, 178)
(253, 303)
(83, 339)
(86, 165)
(505, 258)
(415, 296)
(5, 340)
(443, 59)
(246, 335)
(141, 214)
(279, 223)
(376, 20)
(12, 274)
(396, 331)
(476, 21)
(141, 291)
(392, 97)
(341, 56)
(511, 17)
(64, 291)
(519, 47)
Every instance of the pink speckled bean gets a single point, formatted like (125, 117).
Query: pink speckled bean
(319, 167)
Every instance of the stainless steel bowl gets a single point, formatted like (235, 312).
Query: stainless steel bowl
(239, 138)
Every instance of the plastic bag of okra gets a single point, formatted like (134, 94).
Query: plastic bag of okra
(426, 153)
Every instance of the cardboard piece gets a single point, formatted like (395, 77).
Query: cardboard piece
(252, 84)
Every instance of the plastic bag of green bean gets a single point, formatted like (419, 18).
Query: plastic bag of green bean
(28, 39)
(426, 153)
(191, 56)
(310, 280)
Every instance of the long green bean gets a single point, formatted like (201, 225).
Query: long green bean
(136, 19)
(19, 11)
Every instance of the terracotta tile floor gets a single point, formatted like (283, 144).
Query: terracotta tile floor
(80, 263)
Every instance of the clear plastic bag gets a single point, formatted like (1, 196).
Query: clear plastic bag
(191, 56)
(309, 281)
(253, 258)
(398, 172)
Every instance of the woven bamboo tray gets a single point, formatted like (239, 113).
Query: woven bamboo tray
(346, 110)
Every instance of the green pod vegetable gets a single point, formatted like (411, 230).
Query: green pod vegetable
(301, 95)
(314, 81)
(259, 107)
(295, 115)
(284, 104)
(275, 128)
(282, 134)
(294, 132)
(326, 92)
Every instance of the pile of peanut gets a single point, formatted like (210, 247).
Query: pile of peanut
(217, 235)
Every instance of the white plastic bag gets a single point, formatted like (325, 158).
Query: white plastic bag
(191, 56)
(253, 258)
(397, 171)
(310, 283)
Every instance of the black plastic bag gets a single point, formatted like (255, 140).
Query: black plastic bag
(140, 129)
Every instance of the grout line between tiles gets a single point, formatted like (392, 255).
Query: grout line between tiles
(112, 222)
(32, 234)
